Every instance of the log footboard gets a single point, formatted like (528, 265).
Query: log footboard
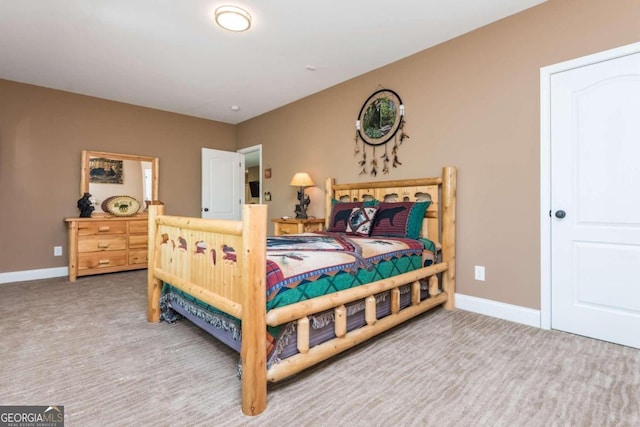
(222, 263)
(345, 340)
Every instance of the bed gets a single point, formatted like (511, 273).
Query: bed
(245, 288)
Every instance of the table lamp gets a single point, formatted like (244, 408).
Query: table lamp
(301, 180)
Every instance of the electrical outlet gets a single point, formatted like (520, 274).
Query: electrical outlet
(57, 251)
(479, 273)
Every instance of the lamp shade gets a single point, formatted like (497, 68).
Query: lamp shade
(301, 179)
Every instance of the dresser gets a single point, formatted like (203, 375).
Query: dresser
(106, 244)
(297, 226)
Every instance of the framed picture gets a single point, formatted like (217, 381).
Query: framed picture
(105, 171)
(267, 173)
(380, 117)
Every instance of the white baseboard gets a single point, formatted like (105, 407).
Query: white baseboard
(43, 273)
(514, 313)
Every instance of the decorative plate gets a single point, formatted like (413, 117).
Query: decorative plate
(121, 205)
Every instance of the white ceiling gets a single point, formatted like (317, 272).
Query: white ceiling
(169, 55)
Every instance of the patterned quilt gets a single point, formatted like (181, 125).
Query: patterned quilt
(305, 266)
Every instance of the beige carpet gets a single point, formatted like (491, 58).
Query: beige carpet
(87, 346)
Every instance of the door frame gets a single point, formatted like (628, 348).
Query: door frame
(253, 149)
(545, 164)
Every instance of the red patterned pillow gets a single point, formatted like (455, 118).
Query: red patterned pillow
(361, 221)
(401, 219)
(340, 213)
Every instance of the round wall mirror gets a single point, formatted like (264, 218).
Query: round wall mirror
(380, 117)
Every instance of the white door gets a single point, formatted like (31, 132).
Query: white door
(595, 200)
(222, 182)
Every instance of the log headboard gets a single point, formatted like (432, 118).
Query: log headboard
(398, 191)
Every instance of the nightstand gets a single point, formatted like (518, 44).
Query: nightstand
(297, 226)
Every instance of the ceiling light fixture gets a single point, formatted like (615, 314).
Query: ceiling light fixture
(233, 18)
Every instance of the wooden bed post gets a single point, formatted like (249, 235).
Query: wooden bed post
(328, 198)
(154, 286)
(449, 234)
(253, 352)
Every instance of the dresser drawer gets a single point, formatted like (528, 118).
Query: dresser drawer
(101, 227)
(288, 228)
(295, 226)
(138, 227)
(97, 260)
(313, 227)
(138, 242)
(138, 257)
(101, 243)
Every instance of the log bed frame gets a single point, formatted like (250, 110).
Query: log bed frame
(239, 288)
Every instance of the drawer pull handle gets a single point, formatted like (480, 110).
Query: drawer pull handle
(103, 262)
(104, 228)
(103, 245)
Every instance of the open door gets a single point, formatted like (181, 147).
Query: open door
(222, 184)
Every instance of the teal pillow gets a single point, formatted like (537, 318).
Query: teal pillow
(416, 218)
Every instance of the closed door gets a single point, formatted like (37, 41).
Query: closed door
(595, 200)
(222, 184)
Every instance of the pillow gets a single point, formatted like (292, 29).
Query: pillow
(340, 213)
(402, 219)
(361, 220)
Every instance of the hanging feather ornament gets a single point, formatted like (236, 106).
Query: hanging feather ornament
(394, 153)
(381, 120)
(374, 163)
(356, 139)
(363, 162)
(403, 135)
(396, 144)
(385, 158)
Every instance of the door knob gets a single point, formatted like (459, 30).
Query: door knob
(560, 214)
(206, 209)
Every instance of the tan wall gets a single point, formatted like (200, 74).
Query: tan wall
(473, 103)
(42, 133)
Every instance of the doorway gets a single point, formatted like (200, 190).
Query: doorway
(253, 173)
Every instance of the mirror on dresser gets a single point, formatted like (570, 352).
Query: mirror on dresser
(105, 175)
(114, 239)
